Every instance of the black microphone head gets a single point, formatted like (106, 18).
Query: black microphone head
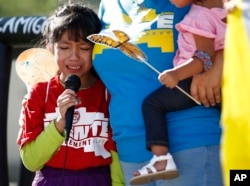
(72, 82)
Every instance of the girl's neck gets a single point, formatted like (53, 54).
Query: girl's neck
(87, 81)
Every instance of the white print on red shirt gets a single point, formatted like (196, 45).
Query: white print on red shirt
(89, 131)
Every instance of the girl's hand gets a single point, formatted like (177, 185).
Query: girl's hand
(169, 78)
(66, 100)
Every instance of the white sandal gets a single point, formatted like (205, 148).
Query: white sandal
(170, 171)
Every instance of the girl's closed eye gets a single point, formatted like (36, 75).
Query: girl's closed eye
(87, 48)
(63, 46)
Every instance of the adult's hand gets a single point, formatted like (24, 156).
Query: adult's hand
(206, 87)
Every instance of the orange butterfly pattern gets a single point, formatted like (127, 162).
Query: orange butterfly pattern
(122, 42)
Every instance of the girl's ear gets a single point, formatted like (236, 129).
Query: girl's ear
(50, 47)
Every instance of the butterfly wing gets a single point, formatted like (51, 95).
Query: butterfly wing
(127, 48)
(133, 51)
(104, 40)
(121, 36)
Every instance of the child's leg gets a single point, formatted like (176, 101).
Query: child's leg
(159, 103)
(154, 107)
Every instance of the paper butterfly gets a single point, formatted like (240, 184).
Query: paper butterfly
(131, 50)
(120, 41)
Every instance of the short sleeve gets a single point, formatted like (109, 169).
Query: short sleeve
(200, 21)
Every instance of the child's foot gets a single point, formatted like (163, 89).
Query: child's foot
(159, 167)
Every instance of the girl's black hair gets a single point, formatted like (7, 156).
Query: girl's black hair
(77, 19)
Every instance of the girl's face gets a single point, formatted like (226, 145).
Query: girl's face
(73, 57)
(181, 3)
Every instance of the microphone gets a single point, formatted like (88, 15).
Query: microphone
(72, 82)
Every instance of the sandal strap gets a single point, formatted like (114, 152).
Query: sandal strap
(160, 158)
(144, 170)
(150, 165)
